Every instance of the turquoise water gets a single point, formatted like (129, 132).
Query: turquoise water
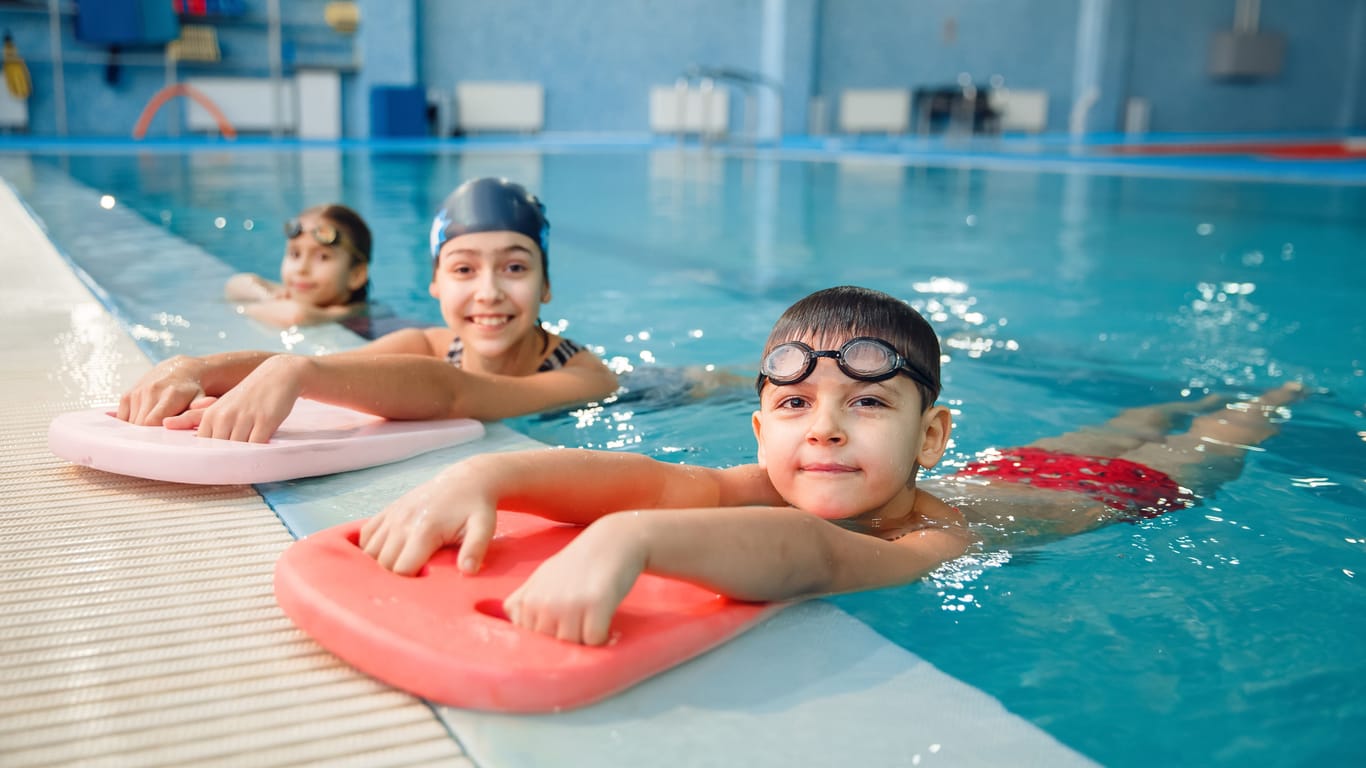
(1220, 635)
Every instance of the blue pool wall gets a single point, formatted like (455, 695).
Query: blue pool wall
(598, 59)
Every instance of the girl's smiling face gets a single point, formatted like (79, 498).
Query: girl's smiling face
(317, 274)
(491, 286)
(847, 449)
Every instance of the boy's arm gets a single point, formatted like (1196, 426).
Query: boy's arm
(567, 485)
(749, 553)
(768, 553)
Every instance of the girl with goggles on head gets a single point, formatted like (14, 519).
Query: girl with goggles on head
(847, 419)
(324, 275)
(492, 359)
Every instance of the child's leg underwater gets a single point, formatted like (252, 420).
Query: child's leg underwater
(1212, 451)
(1019, 502)
(1129, 430)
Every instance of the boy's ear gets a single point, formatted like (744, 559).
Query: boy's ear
(757, 422)
(545, 293)
(938, 425)
(433, 290)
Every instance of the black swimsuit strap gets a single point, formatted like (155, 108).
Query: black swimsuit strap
(557, 359)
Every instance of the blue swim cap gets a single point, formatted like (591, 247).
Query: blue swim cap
(491, 205)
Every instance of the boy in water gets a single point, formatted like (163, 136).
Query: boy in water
(846, 421)
(491, 360)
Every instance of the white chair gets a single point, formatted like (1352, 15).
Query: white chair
(875, 110)
(1020, 110)
(499, 106)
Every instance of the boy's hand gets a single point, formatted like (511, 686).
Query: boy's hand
(573, 594)
(166, 390)
(448, 508)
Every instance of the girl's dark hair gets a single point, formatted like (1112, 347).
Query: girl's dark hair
(832, 316)
(357, 233)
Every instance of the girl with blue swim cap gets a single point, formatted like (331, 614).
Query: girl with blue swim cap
(491, 360)
(324, 275)
(490, 236)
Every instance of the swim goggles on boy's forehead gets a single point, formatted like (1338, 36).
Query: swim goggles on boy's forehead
(323, 234)
(863, 358)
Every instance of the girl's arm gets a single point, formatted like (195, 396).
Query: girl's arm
(283, 313)
(571, 486)
(750, 553)
(245, 286)
(176, 383)
(431, 342)
(173, 384)
(457, 393)
(489, 397)
(395, 386)
(404, 375)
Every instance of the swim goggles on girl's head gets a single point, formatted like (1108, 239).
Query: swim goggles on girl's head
(324, 234)
(863, 358)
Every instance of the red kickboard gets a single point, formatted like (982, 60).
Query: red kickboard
(442, 636)
(316, 439)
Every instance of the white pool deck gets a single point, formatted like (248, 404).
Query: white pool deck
(138, 626)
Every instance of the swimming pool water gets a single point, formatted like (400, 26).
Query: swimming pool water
(1220, 635)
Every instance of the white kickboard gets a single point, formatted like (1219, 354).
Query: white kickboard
(316, 439)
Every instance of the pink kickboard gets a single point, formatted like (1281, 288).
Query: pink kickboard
(442, 636)
(316, 439)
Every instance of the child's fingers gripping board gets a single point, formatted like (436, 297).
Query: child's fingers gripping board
(442, 635)
(316, 439)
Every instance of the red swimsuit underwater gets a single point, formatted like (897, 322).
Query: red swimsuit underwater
(1122, 485)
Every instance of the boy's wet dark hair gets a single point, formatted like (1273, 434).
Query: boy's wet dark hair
(832, 316)
(356, 233)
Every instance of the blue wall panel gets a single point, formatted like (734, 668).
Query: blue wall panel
(903, 44)
(1171, 45)
(391, 49)
(597, 59)
(801, 59)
